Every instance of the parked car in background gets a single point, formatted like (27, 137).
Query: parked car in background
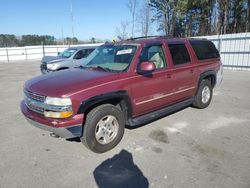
(71, 57)
(126, 83)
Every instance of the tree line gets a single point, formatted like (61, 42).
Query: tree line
(185, 18)
(7, 40)
(25, 40)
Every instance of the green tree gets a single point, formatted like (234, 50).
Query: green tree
(171, 15)
(74, 40)
(201, 17)
(93, 40)
(248, 16)
(8, 40)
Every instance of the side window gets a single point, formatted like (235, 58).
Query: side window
(204, 49)
(179, 54)
(79, 55)
(154, 54)
(88, 51)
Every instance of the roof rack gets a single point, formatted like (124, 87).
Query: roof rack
(192, 38)
(146, 37)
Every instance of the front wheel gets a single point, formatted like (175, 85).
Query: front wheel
(103, 128)
(204, 94)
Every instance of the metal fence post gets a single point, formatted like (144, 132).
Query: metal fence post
(7, 55)
(219, 43)
(26, 54)
(43, 49)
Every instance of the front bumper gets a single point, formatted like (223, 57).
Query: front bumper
(43, 68)
(65, 128)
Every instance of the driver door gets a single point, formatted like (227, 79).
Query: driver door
(150, 90)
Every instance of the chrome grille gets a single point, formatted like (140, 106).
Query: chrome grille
(34, 101)
(34, 96)
(35, 108)
(44, 66)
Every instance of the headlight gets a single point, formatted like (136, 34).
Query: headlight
(51, 66)
(58, 101)
(58, 107)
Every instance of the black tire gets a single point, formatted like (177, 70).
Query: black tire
(200, 102)
(91, 128)
(64, 68)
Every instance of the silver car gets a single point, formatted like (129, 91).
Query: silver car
(71, 57)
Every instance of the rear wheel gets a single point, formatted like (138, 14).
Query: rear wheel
(204, 94)
(103, 128)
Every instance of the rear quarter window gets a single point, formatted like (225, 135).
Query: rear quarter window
(205, 50)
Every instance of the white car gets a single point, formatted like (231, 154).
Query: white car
(71, 57)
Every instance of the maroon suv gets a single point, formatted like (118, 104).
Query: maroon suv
(125, 83)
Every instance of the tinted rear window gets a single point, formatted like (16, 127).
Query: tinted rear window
(179, 54)
(204, 50)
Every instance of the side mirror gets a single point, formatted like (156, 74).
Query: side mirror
(146, 67)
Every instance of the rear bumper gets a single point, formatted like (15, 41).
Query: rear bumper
(219, 76)
(65, 128)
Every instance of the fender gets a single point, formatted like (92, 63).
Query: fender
(208, 73)
(122, 96)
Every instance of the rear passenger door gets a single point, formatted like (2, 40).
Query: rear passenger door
(184, 72)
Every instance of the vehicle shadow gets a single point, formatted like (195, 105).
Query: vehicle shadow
(120, 171)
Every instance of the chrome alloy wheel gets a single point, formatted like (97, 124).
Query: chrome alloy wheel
(106, 129)
(205, 95)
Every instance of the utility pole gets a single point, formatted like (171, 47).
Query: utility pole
(62, 36)
(72, 18)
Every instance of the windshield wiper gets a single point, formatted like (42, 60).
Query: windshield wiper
(102, 68)
(81, 67)
(106, 69)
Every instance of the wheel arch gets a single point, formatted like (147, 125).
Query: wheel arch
(208, 75)
(117, 98)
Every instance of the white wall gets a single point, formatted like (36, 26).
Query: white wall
(32, 52)
(234, 49)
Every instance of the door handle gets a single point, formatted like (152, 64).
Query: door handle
(191, 70)
(168, 75)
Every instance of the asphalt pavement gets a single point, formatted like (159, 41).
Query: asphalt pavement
(191, 148)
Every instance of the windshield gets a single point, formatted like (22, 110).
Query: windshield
(111, 57)
(67, 53)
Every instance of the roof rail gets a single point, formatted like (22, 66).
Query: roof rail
(146, 37)
(197, 38)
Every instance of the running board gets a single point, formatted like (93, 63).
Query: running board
(146, 118)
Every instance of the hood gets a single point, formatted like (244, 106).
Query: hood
(52, 59)
(66, 82)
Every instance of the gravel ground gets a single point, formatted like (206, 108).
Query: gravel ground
(191, 148)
